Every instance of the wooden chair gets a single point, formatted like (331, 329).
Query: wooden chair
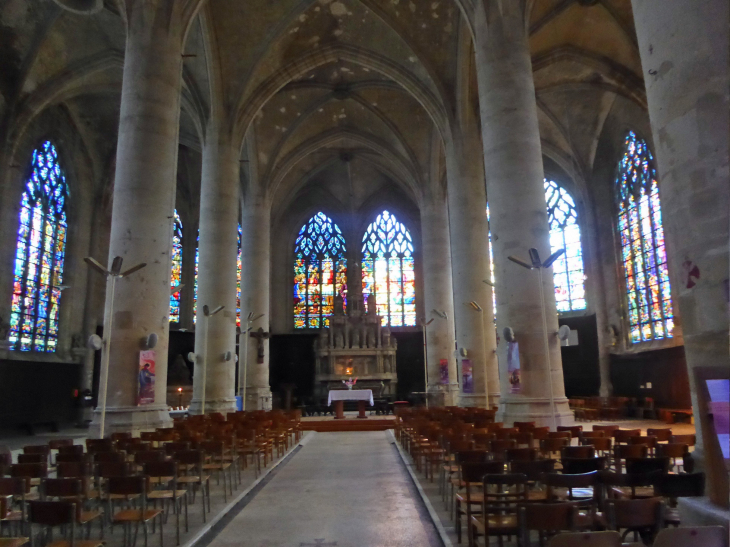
(520, 454)
(33, 458)
(587, 539)
(673, 451)
(51, 514)
(218, 464)
(467, 456)
(623, 451)
(81, 471)
(72, 489)
(650, 442)
(637, 466)
(583, 489)
(505, 433)
(643, 517)
(524, 427)
(498, 446)
(662, 434)
(523, 439)
(34, 472)
(547, 519)
(692, 536)
(550, 447)
(471, 498)
(14, 489)
(246, 446)
(626, 486)
(607, 429)
(622, 436)
(37, 449)
(99, 445)
(164, 474)
(72, 457)
(575, 430)
(502, 495)
(602, 445)
(193, 461)
(689, 440)
(534, 471)
(133, 486)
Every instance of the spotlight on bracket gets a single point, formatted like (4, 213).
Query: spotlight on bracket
(227, 356)
(150, 341)
(95, 342)
(508, 334)
(192, 357)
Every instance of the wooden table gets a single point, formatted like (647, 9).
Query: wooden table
(339, 396)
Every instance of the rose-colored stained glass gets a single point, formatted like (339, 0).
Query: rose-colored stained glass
(39, 255)
(643, 253)
(176, 274)
(388, 270)
(320, 272)
(238, 280)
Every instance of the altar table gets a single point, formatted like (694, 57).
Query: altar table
(338, 396)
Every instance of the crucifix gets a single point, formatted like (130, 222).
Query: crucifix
(260, 336)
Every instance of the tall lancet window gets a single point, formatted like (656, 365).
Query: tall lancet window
(568, 274)
(320, 272)
(39, 255)
(642, 244)
(176, 274)
(195, 283)
(238, 280)
(388, 270)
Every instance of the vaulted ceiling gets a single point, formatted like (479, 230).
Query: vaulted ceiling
(305, 81)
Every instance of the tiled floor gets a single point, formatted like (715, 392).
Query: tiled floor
(341, 489)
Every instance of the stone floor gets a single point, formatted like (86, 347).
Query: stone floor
(340, 489)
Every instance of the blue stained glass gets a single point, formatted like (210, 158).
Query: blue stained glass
(320, 272)
(642, 244)
(41, 240)
(195, 283)
(388, 270)
(176, 273)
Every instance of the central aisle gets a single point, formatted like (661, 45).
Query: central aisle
(340, 489)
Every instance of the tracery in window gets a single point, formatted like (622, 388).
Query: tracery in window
(642, 244)
(39, 255)
(320, 272)
(388, 270)
(176, 274)
(568, 272)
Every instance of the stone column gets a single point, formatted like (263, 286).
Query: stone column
(684, 55)
(255, 289)
(438, 295)
(513, 162)
(144, 195)
(219, 199)
(470, 266)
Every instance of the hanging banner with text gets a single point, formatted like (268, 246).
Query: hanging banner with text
(444, 371)
(467, 377)
(146, 375)
(513, 367)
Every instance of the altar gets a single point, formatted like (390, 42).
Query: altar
(356, 345)
(339, 396)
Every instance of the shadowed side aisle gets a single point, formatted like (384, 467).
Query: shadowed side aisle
(343, 489)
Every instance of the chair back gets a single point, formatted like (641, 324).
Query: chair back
(62, 488)
(662, 434)
(626, 480)
(57, 444)
(111, 456)
(577, 485)
(672, 450)
(37, 449)
(524, 427)
(608, 429)
(127, 486)
(585, 451)
(503, 493)
(149, 456)
(603, 444)
(577, 466)
(29, 470)
(161, 469)
(553, 445)
(32, 458)
(505, 432)
(474, 472)
(99, 445)
(587, 539)
(692, 536)
(71, 457)
(112, 469)
(498, 446)
(689, 440)
(623, 435)
(70, 449)
(14, 486)
(177, 446)
(121, 436)
(545, 517)
(190, 457)
(67, 470)
(472, 456)
(637, 514)
(575, 430)
(533, 470)
(52, 513)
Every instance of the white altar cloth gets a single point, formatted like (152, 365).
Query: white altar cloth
(351, 395)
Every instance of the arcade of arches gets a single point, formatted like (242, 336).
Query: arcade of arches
(281, 159)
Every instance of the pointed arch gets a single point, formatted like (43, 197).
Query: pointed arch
(320, 272)
(39, 254)
(643, 255)
(388, 270)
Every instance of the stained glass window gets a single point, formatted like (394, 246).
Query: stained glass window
(176, 274)
(388, 270)
(320, 272)
(39, 255)
(491, 267)
(642, 244)
(568, 273)
(195, 283)
(238, 280)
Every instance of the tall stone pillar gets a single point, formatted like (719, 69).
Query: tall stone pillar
(144, 197)
(684, 55)
(219, 202)
(255, 294)
(470, 267)
(438, 295)
(518, 215)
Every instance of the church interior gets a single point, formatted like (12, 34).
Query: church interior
(365, 272)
